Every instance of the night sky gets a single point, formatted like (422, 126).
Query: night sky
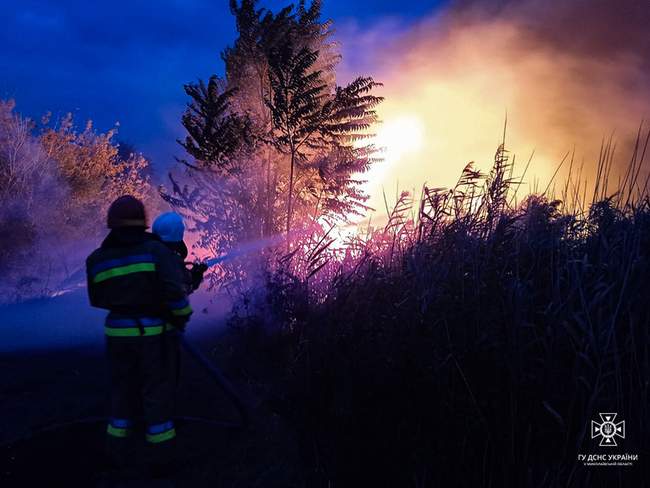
(127, 61)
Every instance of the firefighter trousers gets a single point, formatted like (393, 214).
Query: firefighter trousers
(143, 377)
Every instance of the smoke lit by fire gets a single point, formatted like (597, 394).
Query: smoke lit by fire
(567, 74)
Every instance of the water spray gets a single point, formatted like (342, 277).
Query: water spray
(242, 250)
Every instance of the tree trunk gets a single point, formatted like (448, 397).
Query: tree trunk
(290, 199)
(269, 198)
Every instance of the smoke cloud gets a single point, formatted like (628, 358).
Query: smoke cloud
(567, 73)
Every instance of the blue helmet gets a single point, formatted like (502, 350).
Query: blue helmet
(169, 227)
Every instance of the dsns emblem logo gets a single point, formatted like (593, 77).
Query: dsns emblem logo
(608, 429)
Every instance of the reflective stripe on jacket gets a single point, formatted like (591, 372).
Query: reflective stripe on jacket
(137, 278)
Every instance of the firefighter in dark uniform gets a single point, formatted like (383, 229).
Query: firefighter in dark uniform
(169, 228)
(136, 277)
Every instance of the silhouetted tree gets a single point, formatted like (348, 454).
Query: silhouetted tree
(215, 132)
(296, 99)
(282, 137)
(318, 129)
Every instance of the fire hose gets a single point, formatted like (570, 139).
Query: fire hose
(215, 373)
(208, 366)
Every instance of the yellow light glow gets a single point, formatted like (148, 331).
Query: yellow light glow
(399, 136)
(447, 90)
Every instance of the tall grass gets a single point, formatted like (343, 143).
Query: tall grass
(471, 340)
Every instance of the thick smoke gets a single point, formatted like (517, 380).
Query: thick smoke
(567, 73)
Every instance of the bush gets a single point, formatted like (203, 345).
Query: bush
(54, 183)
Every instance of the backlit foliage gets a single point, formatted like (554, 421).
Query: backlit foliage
(277, 129)
(56, 184)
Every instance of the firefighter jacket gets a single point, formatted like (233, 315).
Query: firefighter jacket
(138, 279)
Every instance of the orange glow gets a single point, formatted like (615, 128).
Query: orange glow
(449, 82)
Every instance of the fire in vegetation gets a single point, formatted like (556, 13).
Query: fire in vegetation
(473, 333)
(468, 336)
(564, 75)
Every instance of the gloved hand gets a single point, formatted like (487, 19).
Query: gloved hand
(197, 272)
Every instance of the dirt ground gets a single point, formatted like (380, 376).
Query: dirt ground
(52, 428)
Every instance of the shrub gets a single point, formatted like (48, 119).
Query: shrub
(54, 183)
